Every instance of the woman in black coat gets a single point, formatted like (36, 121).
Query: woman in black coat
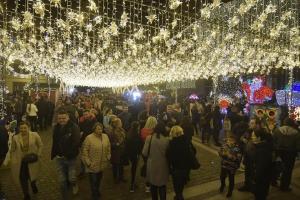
(133, 149)
(188, 129)
(216, 124)
(263, 147)
(180, 159)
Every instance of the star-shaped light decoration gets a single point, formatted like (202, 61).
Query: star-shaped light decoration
(151, 18)
(56, 3)
(16, 24)
(97, 20)
(124, 19)
(114, 29)
(174, 4)
(39, 8)
(27, 20)
(174, 23)
(80, 19)
(139, 34)
(92, 6)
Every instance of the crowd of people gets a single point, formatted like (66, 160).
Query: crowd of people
(101, 133)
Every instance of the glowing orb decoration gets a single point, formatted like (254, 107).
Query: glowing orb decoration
(224, 101)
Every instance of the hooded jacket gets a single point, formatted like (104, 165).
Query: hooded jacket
(287, 138)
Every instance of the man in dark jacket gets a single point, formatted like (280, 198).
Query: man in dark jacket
(43, 110)
(287, 145)
(125, 117)
(65, 149)
(3, 149)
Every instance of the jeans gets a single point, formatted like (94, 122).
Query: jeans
(95, 181)
(224, 174)
(25, 178)
(134, 161)
(118, 172)
(158, 191)
(66, 174)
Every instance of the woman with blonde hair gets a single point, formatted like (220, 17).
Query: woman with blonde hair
(180, 160)
(26, 149)
(148, 128)
(157, 171)
(145, 132)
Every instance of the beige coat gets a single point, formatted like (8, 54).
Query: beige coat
(35, 146)
(96, 152)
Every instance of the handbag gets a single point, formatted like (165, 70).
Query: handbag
(30, 158)
(144, 167)
(195, 164)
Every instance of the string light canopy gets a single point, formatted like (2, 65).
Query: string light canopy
(120, 43)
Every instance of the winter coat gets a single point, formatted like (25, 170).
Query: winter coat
(287, 138)
(126, 120)
(35, 146)
(66, 141)
(188, 132)
(157, 164)
(133, 146)
(43, 108)
(96, 152)
(179, 154)
(117, 140)
(3, 142)
(231, 155)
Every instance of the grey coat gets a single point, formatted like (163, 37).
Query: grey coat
(157, 165)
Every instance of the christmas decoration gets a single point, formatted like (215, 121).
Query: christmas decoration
(123, 43)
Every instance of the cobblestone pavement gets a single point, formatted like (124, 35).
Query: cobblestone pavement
(48, 185)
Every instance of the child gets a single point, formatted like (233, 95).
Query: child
(231, 156)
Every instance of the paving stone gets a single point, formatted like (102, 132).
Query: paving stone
(49, 188)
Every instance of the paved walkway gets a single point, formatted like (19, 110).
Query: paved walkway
(48, 185)
(204, 183)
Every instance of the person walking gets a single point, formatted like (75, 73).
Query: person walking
(248, 155)
(187, 127)
(3, 148)
(148, 129)
(157, 173)
(31, 111)
(65, 149)
(179, 157)
(43, 110)
(26, 149)
(262, 161)
(117, 140)
(216, 123)
(95, 156)
(287, 145)
(231, 156)
(133, 148)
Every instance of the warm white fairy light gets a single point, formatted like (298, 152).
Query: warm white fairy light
(95, 50)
